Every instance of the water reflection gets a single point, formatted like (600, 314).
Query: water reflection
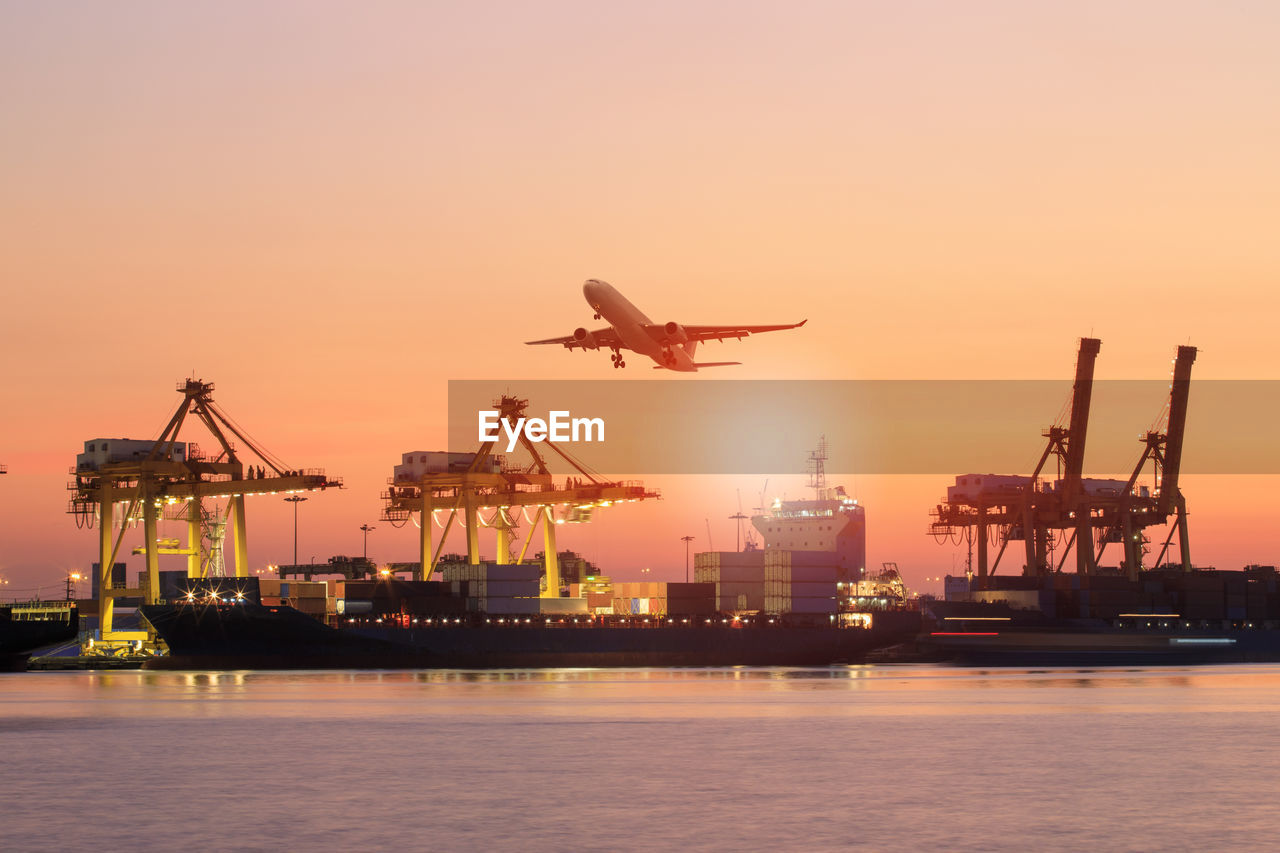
(692, 759)
(682, 691)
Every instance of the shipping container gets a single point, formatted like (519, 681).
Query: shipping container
(508, 606)
(303, 589)
(724, 559)
(691, 606)
(812, 605)
(354, 606)
(804, 574)
(563, 606)
(310, 606)
(795, 558)
(639, 589)
(691, 590)
(504, 589)
(730, 574)
(489, 571)
(740, 602)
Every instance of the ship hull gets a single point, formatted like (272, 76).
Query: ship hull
(1108, 647)
(255, 637)
(20, 637)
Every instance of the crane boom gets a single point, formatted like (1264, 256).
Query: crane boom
(1178, 396)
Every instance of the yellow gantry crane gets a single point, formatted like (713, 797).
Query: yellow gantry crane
(174, 474)
(487, 485)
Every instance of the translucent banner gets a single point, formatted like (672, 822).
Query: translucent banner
(871, 426)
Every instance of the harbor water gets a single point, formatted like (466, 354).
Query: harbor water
(882, 758)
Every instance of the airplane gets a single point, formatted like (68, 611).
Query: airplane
(670, 345)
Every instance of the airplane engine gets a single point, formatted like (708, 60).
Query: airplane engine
(675, 333)
(585, 339)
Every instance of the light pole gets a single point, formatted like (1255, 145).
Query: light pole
(295, 500)
(366, 528)
(686, 540)
(71, 584)
(739, 517)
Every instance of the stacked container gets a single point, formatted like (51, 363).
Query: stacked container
(310, 597)
(600, 603)
(500, 588)
(691, 599)
(738, 576)
(394, 596)
(800, 582)
(639, 598)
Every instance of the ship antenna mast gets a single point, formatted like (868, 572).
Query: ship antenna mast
(817, 468)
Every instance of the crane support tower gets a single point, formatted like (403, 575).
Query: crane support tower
(487, 484)
(1074, 511)
(167, 479)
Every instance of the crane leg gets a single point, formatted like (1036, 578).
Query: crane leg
(239, 536)
(149, 513)
(1184, 536)
(195, 542)
(503, 526)
(550, 559)
(425, 550)
(106, 553)
(473, 530)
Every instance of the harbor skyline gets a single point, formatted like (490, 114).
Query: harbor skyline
(331, 212)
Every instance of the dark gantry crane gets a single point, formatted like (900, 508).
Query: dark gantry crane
(1015, 507)
(1164, 451)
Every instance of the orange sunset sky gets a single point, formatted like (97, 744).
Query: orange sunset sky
(331, 209)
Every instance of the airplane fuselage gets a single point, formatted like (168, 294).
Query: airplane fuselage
(629, 322)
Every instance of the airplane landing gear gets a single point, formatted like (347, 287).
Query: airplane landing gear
(669, 358)
(596, 316)
(617, 359)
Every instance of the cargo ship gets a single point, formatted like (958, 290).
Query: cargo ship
(28, 626)
(1164, 617)
(795, 602)
(422, 625)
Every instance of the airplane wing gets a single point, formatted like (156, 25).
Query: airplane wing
(718, 333)
(605, 338)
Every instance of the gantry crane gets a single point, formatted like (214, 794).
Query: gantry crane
(1073, 508)
(182, 482)
(486, 486)
(1124, 520)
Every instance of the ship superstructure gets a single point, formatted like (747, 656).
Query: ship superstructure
(830, 521)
